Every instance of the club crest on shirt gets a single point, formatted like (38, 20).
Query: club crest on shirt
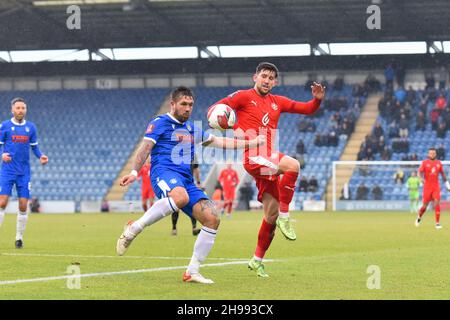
(27, 129)
(150, 128)
(188, 126)
(173, 181)
(274, 106)
(13, 128)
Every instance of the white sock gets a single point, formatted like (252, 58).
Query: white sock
(202, 247)
(257, 258)
(22, 218)
(159, 210)
(283, 214)
(2, 216)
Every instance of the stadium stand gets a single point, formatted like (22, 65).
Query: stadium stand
(87, 135)
(410, 122)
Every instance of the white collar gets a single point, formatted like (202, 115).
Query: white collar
(18, 124)
(173, 118)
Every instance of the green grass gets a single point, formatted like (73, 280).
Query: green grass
(329, 260)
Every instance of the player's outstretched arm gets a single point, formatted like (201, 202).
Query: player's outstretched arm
(142, 155)
(231, 143)
(310, 107)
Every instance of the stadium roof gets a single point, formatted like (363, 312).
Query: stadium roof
(41, 24)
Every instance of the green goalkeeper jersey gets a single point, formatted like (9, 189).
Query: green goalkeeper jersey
(413, 184)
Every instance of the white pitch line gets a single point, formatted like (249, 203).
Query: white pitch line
(90, 275)
(109, 257)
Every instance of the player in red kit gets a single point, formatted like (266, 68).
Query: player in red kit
(147, 193)
(429, 171)
(229, 180)
(258, 112)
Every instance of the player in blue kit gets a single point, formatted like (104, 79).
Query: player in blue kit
(171, 139)
(16, 137)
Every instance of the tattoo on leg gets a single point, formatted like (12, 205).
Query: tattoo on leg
(205, 204)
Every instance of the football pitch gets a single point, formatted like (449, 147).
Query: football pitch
(358, 255)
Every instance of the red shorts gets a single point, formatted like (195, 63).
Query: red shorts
(147, 192)
(229, 193)
(264, 169)
(431, 194)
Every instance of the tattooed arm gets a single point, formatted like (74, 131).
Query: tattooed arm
(141, 155)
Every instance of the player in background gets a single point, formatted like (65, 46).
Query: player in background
(17, 135)
(229, 180)
(413, 183)
(147, 194)
(258, 112)
(196, 172)
(431, 168)
(217, 197)
(171, 140)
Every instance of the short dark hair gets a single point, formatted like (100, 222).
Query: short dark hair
(18, 99)
(432, 149)
(267, 66)
(181, 91)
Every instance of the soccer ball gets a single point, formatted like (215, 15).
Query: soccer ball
(221, 116)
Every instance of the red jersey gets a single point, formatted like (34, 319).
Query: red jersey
(259, 115)
(145, 174)
(431, 170)
(228, 178)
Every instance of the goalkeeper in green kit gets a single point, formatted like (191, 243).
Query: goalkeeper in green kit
(413, 183)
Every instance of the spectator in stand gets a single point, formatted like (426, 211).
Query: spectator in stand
(429, 80)
(440, 152)
(399, 176)
(381, 144)
(389, 74)
(400, 95)
(361, 154)
(386, 154)
(399, 71)
(414, 157)
(443, 74)
(377, 193)
(441, 102)
(338, 83)
(300, 148)
(441, 130)
(400, 145)
(369, 154)
(313, 184)
(403, 125)
(393, 130)
(378, 130)
(410, 95)
(420, 121)
(303, 185)
(362, 192)
(333, 140)
(318, 141)
(434, 117)
(344, 130)
(371, 84)
(303, 125)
